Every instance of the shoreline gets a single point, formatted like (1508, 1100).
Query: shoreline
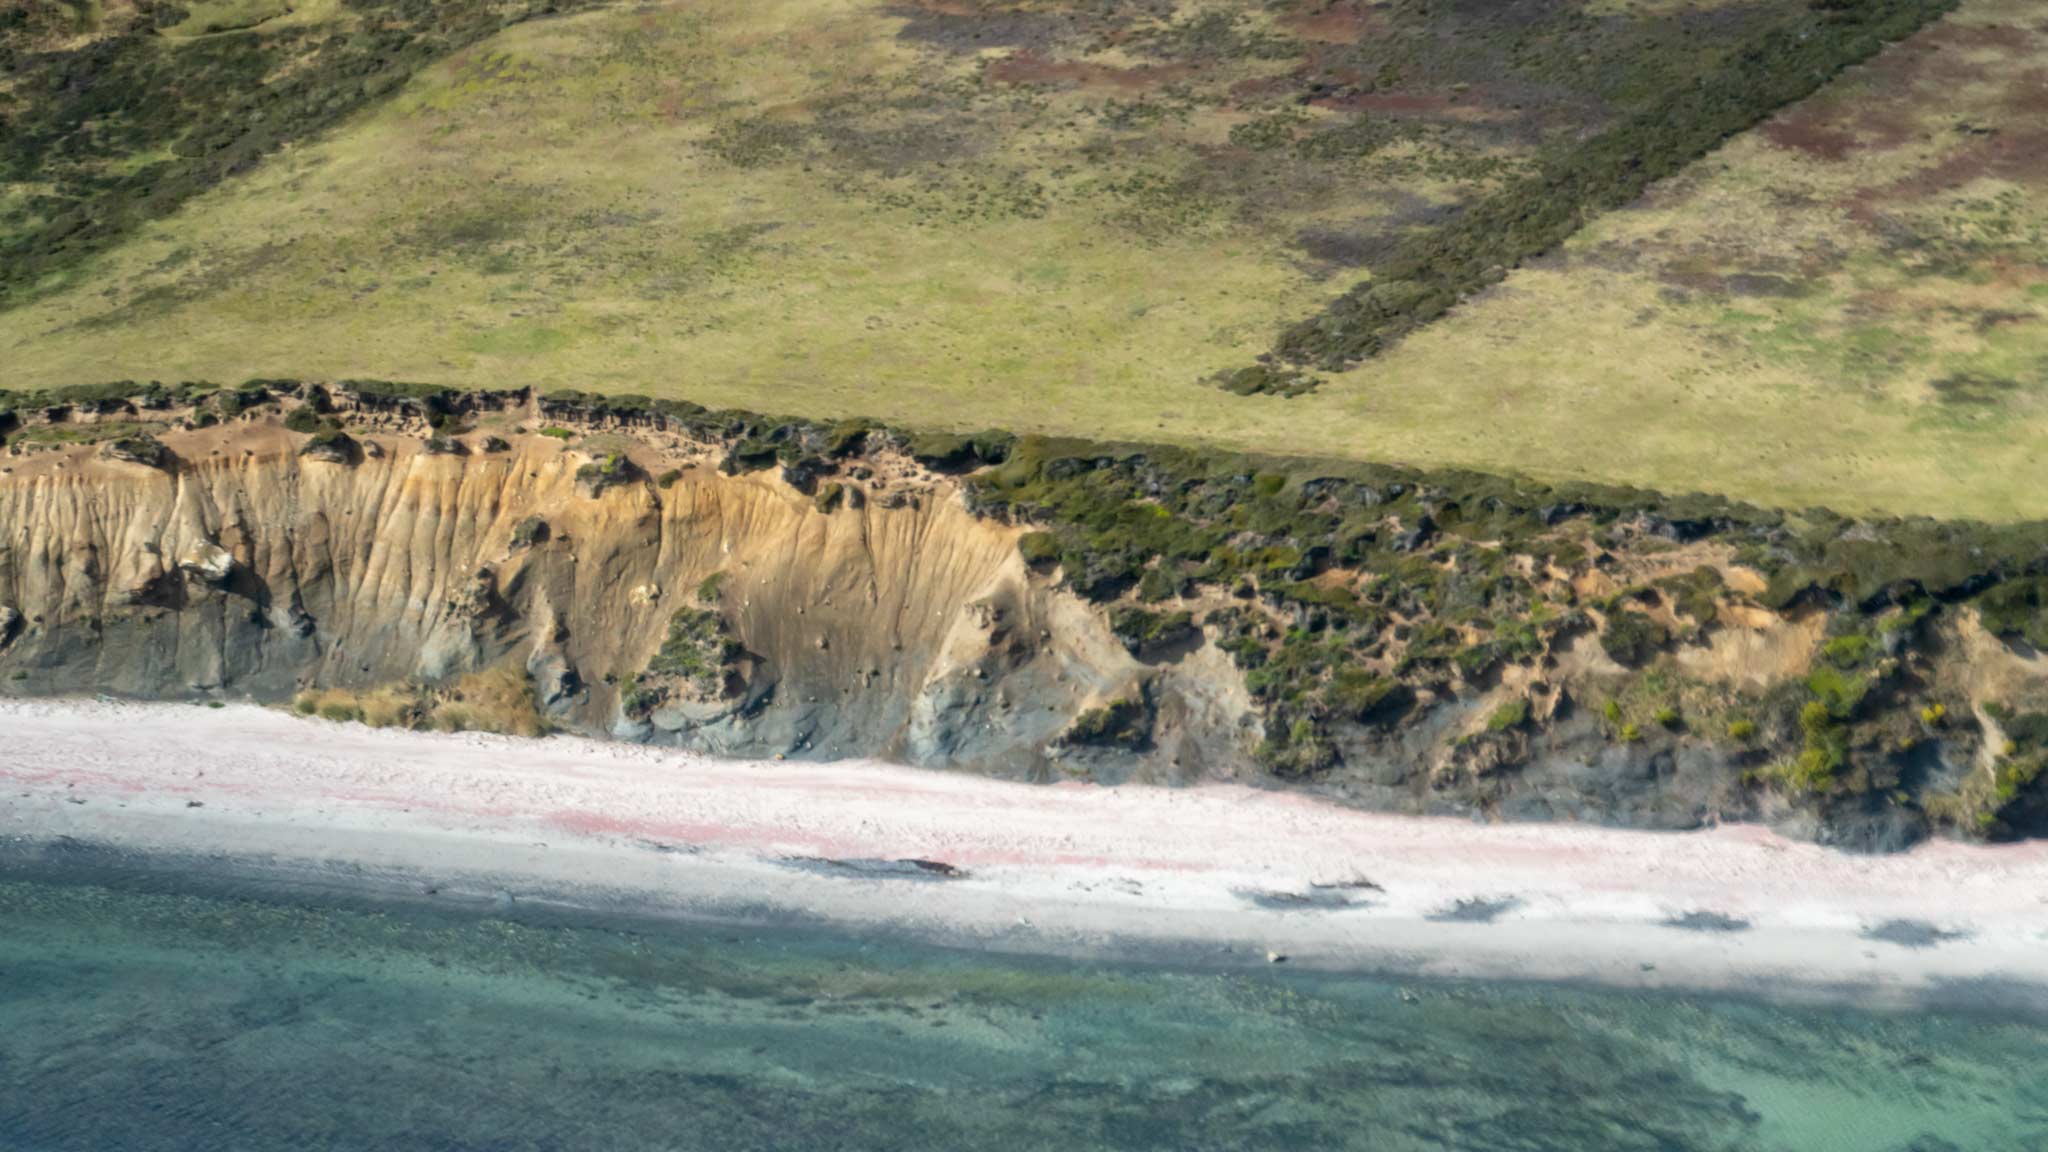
(1210, 874)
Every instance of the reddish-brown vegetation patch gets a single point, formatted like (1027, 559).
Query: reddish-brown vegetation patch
(2020, 156)
(1998, 37)
(2029, 97)
(1885, 113)
(969, 28)
(1341, 22)
(1265, 89)
(1803, 131)
(1408, 103)
(1030, 68)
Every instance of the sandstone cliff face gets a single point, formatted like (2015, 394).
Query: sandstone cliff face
(857, 606)
(901, 626)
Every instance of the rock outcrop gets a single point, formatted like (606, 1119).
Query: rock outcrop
(207, 561)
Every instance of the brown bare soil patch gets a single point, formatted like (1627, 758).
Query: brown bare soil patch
(1754, 648)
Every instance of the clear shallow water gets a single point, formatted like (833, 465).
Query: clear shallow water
(178, 1016)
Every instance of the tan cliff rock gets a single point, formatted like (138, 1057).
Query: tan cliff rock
(904, 627)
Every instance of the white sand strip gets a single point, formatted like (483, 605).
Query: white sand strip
(1223, 869)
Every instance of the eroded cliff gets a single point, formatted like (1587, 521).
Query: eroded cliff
(889, 621)
(751, 586)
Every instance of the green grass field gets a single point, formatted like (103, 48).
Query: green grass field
(1848, 306)
(1067, 217)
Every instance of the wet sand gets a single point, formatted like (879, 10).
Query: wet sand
(1217, 872)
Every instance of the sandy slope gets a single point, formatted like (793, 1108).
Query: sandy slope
(1227, 871)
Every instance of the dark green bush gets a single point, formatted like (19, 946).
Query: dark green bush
(614, 470)
(1268, 380)
(951, 452)
(1143, 631)
(697, 649)
(1848, 651)
(1039, 549)
(1125, 724)
(141, 449)
(1367, 697)
(2017, 610)
(748, 456)
(709, 588)
(329, 443)
(1632, 638)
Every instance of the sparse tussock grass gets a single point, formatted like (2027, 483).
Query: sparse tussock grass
(498, 700)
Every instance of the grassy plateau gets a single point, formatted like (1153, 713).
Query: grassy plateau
(1086, 218)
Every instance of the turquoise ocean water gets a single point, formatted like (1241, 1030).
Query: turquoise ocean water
(176, 1013)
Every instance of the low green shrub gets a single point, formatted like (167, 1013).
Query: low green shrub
(614, 470)
(696, 649)
(1849, 651)
(1366, 697)
(1124, 723)
(1039, 549)
(2017, 610)
(1510, 715)
(709, 589)
(1144, 631)
(1268, 380)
